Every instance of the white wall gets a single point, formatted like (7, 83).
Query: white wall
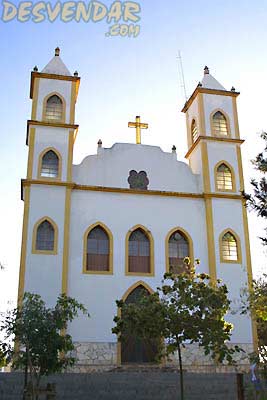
(159, 215)
(228, 214)
(44, 272)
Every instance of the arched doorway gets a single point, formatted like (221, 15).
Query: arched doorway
(133, 349)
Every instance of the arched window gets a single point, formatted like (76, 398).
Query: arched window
(178, 249)
(194, 131)
(219, 124)
(229, 248)
(98, 250)
(139, 249)
(224, 178)
(50, 165)
(54, 108)
(45, 237)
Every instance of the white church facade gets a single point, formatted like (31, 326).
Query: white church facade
(99, 230)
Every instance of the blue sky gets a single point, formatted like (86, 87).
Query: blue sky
(124, 77)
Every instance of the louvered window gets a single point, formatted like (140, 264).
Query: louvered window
(224, 178)
(45, 237)
(220, 124)
(50, 165)
(54, 108)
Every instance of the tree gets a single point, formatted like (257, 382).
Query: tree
(254, 302)
(258, 200)
(186, 309)
(42, 344)
(255, 297)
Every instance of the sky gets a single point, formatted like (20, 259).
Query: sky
(122, 77)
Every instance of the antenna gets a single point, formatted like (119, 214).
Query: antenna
(181, 74)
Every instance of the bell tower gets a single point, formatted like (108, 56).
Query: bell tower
(214, 154)
(213, 131)
(46, 191)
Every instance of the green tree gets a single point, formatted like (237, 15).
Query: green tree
(254, 302)
(187, 308)
(42, 344)
(255, 298)
(258, 200)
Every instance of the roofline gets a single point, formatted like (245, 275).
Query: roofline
(51, 76)
(207, 91)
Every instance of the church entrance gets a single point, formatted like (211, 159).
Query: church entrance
(133, 349)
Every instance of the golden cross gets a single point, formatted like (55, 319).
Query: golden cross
(138, 125)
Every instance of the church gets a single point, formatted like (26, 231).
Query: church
(101, 230)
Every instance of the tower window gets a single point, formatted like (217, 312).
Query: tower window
(229, 247)
(98, 250)
(224, 179)
(139, 252)
(219, 124)
(54, 108)
(45, 237)
(178, 248)
(194, 131)
(50, 165)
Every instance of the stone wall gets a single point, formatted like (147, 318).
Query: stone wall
(103, 357)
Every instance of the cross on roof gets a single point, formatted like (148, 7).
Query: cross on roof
(138, 125)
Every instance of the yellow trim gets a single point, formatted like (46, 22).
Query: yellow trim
(238, 243)
(63, 118)
(236, 124)
(207, 91)
(190, 244)
(73, 102)
(249, 270)
(151, 241)
(228, 125)
(66, 244)
(35, 99)
(232, 174)
(205, 167)
(34, 237)
(210, 240)
(110, 236)
(240, 168)
(23, 254)
(209, 212)
(40, 159)
(31, 153)
(124, 298)
(213, 139)
(201, 115)
(134, 286)
(74, 186)
(70, 155)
